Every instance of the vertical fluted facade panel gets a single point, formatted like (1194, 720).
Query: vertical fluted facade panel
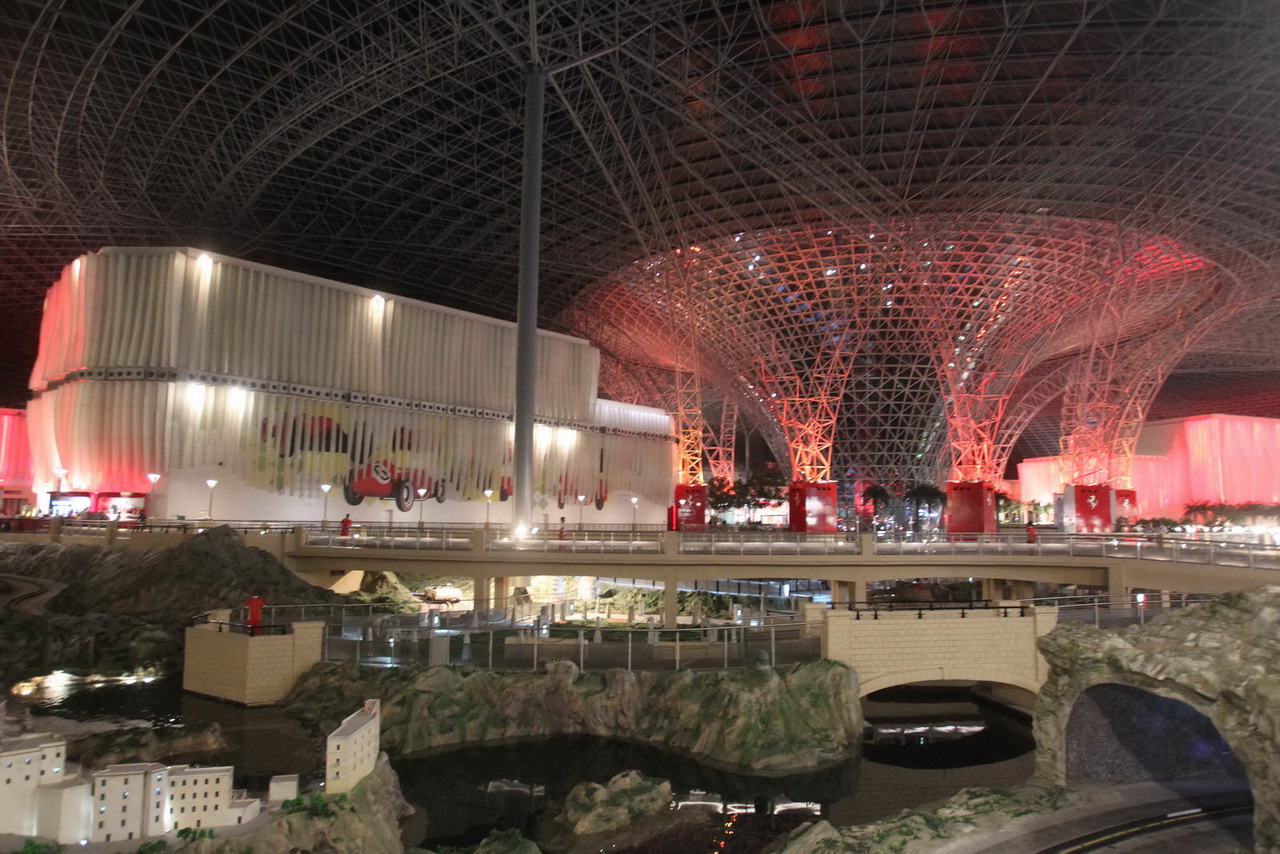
(170, 359)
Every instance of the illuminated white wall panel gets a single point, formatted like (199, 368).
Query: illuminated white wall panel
(173, 360)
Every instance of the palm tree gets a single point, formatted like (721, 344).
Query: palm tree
(924, 496)
(877, 496)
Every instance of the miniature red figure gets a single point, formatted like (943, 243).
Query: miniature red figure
(345, 528)
(254, 605)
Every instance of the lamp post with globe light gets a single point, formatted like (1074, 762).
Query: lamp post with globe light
(325, 487)
(212, 484)
(153, 478)
(582, 506)
(635, 501)
(488, 505)
(422, 494)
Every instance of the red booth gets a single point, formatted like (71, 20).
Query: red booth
(971, 507)
(689, 512)
(812, 507)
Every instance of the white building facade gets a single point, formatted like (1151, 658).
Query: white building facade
(243, 389)
(351, 750)
(38, 797)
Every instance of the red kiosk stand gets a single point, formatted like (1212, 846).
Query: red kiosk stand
(971, 507)
(812, 507)
(1125, 505)
(689, 512)
(1096, 509)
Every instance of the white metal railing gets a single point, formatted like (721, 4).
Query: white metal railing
(1158, 547)
(1204, 549)
(749, 541)
(1118, 610)
(596, 647)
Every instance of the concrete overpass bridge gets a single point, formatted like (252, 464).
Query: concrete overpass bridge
(887, 648)
(1008, 566)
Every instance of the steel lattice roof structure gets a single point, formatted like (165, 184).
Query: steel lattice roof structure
(893, 236)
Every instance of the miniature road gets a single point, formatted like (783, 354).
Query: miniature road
(29, 594)
(1096, 821)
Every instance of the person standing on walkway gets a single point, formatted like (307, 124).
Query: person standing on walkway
(344, 529)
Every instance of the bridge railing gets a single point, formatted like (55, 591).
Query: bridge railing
(1113, 611)
(1202, 549)
(873, 609)
(1160, 547)
(529, 648)
(739, 541)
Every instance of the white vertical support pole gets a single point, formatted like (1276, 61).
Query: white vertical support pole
(527, 298)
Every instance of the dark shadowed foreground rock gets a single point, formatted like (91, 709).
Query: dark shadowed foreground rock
(918, 831)
(1222, 659)
(144, 744)
(765, 719)
(122, 610)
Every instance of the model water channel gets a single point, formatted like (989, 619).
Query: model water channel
(923, 743)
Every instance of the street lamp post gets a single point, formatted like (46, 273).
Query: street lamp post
(488, 505)
(582, 506)
(325, 487)
(422, 493)
(635, 500)
(211, 483)
(153, 478)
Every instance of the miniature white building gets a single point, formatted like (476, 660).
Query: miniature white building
(38, 797)
(128, 801)
(199, 797)
(352, 749)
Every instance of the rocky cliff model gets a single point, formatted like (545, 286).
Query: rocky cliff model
(766, 719)
(1222, 659)
(122, 611)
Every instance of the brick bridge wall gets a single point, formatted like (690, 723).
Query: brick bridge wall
(898, 647)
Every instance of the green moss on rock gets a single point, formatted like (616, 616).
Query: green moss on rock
(766, 719)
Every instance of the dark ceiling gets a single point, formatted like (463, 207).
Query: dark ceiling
(380, 142)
